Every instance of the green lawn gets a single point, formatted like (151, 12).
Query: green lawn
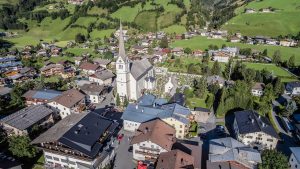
(127, 13)
(203, 43)
(178, 29)
(102, 33)
(282, 22)
(85, 21)
(79, 51)
(148, 24)
(58, 59)
(96, 11)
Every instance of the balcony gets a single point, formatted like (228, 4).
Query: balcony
(149, 149)
(147, 153)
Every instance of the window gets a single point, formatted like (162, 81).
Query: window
(296, 166)
(72, 162)
(63, 160)
(48, 157)
(56, 159)
(270, 140)
(152, 146)
(180, 131)
(180, 126)
(120, 66)
(64, 108)
(249, 137)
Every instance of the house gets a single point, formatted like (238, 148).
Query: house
(270, 41)
(255, 130)
(84, 140)
(102, 62)
(102, 77)
(88, 68)
(221, 56)
(294, 160)
(149, 107)
(175, 159)
(258, 89)
(230, 153)
(69, 102)
(5, 92)
(265, 10)
(76, 2)
(133, 77)
(250, 10)
(292, 88)
(288, 42)
(51, 70)
(171, 86)
(7, 161)
(203, 115)
(177, 51)
(235, 39)
(198, 53)
(23, 121)
(35, 97)
(151, 139)
(94, 93)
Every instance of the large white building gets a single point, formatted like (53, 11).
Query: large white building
(254, 130)
(133, 77)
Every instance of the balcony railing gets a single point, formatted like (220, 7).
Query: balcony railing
(149, 149)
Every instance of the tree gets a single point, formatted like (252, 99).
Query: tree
(200, 87)
(187, 51)
(291, 62)
(272, 159)
(216, 69)
(265, 52)
(164, 42)
(79, 38)
(278, 87)
(126, 102)
(277, 57)
(118, 101)
(20, 146)
(209, 101)
(227, 70)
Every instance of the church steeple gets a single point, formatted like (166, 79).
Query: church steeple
(121, 43)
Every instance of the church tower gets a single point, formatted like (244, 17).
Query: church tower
(122, 69)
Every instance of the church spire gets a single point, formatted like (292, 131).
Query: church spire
(121, 43)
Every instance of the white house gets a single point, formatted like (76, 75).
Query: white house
(89, 68)
(294, 160)
(133, 77)
(94, 93)
(69, 102)
(258, 89)
(254, 130)
(151, 139)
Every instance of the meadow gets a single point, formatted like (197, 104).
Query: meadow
(285, 20)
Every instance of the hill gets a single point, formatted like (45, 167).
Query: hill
(282, 20)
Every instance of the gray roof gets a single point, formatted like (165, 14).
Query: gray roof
(229, 149)
(103, 74)
(5, 90)
(27, 117)
(249, 121)
(296, 152)
(92, 89)
(139, 68)
(59, 129)
(101, 61)
(45, 94)
(146, 110)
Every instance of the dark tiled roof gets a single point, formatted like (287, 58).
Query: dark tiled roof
(249, 121)
(27, 117)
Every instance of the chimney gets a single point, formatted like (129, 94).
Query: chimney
(181, 160)
(252, 120)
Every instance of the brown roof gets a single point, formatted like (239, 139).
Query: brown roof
(89, 66)
(175, 159)
(258, 86)
(156, 131)
(92, 89)
(69, 98)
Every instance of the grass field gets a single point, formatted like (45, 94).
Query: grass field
(58, 59)
(96, 11)
(78, 52)
(101, 33)
(148, 24)
(203, 43)
(85, 21)
(178, 29)
(285, 20)
(127, 13)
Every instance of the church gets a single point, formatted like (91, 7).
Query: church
(133, 77)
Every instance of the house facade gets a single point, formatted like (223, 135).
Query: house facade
(254, 130)
(294, 160)
(292, 88)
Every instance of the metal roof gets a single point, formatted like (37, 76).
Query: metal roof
(46, 94)
(27, 117)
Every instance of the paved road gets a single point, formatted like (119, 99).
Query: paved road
(123, 156)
